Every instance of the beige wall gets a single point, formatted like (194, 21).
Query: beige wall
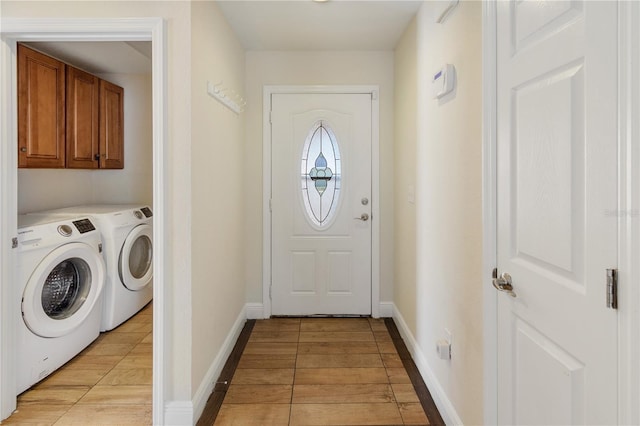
(315, 68)
(217, 170)
(449, 205)
(406, 102)
(41, 189)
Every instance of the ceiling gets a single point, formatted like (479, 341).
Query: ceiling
(101, 57)
(308, 25)
(263, 25)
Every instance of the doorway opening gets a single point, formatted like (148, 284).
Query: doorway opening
(78, 30)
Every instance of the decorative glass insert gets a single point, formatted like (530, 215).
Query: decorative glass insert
(321, 174)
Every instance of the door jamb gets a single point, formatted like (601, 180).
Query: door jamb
(629, 212)
(373, 90)
(489, 209)
(13, 30)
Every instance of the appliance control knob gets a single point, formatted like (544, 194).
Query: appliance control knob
(137, 214)
(65, 230)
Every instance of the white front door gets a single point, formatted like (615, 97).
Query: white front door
(557, 198)
(321, 204)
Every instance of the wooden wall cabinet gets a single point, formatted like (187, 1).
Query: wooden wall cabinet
(41, 114)
(82, 119)
(111, 126)
(66, 116)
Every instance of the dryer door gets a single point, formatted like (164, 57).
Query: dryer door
(135, 264)
(63, 290)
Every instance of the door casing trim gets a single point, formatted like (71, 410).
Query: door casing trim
(13, 30)
(629, 212)
(374, 90)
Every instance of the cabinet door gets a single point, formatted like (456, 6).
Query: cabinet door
(111, 126)
(41, 114)
(82, 119)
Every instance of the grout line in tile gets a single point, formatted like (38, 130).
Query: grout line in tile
(62, 415)
(295, 369)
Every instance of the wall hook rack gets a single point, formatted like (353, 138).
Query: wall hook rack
(226, 97)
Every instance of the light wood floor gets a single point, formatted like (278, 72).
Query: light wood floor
(107, 383)
(320, 371)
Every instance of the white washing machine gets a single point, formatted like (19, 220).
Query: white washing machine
(127, 236)
(60, 288)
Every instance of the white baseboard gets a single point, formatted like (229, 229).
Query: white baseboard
(188, 412)
(255, 311)
(178, 413)
(207, 384)
(386, 309)
(444, 404)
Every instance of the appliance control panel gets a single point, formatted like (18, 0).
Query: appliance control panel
(146, 211)
(84, 225)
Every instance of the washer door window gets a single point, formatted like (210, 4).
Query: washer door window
(135, 264)
(63, 290)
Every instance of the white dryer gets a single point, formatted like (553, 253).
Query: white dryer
(127, 235)
(61, 275)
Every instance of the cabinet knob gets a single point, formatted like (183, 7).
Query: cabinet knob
(23, 149)
(97, 157)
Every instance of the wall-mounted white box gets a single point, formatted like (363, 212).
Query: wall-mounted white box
(443, 81)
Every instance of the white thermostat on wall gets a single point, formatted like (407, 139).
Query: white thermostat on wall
(443, 81)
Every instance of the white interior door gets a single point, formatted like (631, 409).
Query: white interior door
(321, 204)
(557, 197)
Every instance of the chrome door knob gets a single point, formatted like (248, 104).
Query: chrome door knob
(363, 217)
(503, 283)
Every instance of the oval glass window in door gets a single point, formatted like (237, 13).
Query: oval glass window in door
(321, 169)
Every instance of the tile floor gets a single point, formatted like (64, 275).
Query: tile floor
(320, 371)
(107, 383)
(309, 371)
